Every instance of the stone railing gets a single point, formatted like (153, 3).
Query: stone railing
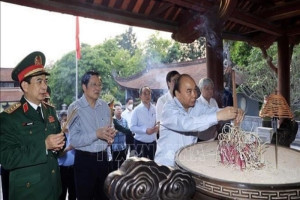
(250, 123)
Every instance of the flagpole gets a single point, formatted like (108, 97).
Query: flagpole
(77, 55)
(76, 87)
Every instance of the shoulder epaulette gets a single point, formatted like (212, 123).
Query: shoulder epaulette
(12, 108)
(49, 104)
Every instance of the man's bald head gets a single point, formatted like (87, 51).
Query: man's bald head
(185, 90)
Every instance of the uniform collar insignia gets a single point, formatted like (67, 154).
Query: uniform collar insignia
(51, 119)
(25, 107)
(45, 104)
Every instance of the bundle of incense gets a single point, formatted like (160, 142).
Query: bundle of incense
(111, 106)
(69, 118)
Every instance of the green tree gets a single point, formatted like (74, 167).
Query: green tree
(174, 53)
(119, 56)
(260, 80)
(295, 81)
(239, 53)
(157, 49)
(63, 73)
(128, 41)
(126, 65)
(194, 50)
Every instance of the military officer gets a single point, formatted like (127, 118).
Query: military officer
(31, 139)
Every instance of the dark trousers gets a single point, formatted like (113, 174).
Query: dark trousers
(68, 182)
(130, 143)
(118, 158)
(91, 170)
(146, 150)
(5, 183)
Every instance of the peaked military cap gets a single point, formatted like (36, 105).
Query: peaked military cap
(31, 65)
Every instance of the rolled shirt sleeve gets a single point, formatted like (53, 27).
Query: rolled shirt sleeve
(198, 118)
(180, 128)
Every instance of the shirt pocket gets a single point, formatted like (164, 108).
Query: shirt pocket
(28, 181)
(32, 132)
(27, 187)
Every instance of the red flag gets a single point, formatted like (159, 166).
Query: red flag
(78, 54)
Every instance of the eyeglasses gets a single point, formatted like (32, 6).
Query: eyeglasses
(146, 93)
(95, 85)
(174, 80)
(39, 81)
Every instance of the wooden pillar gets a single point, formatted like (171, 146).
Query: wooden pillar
(284, 68)
(214, 64)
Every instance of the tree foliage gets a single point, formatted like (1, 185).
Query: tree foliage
(194, 50)
(239, 53)
(156, 49)
(260, 80)
(120, 56)
(128, 41)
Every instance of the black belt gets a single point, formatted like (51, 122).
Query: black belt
(93, 154)
(67, 167)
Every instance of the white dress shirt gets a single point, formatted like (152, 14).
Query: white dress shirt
(127, 114)
(211, 133)
(143, 118)
(212, 102)
(179, 128)
(160, 103)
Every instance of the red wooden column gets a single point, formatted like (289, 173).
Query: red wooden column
(284, 68)
(214, 64)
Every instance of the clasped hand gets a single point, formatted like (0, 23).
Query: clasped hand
(152, 130)
(106, 133)
(55, 141)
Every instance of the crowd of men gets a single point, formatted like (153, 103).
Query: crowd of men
(45, 157)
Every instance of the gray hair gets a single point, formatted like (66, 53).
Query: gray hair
(205, 82)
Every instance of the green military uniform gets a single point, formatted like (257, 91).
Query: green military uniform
(34, 171)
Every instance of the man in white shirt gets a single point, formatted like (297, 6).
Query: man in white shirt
(206, 86)
(126, 114)
(170, 79)
(143, 124)
(183, 117)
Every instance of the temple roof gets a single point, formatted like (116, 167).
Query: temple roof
(155, 77)
(260, 22)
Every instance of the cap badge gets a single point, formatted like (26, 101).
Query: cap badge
(38, 60)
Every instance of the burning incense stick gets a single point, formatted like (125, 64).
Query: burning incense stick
(234, 96)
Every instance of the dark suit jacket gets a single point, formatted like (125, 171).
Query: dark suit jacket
(34, 172)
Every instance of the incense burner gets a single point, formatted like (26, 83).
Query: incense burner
(216, 181)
